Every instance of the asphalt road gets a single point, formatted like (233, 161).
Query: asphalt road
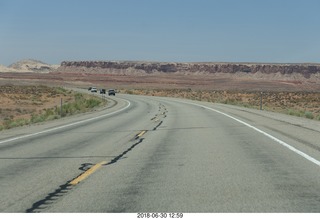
(152, 154)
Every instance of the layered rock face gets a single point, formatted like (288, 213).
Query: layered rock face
(165, 67)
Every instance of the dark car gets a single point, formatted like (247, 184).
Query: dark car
(111, 92)
(102, 91)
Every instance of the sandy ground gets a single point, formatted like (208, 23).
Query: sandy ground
(21, 94)
(20, 102)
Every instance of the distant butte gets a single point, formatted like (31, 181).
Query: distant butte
(303, 77)
(306, 69)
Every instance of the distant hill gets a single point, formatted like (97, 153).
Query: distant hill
(29, 65)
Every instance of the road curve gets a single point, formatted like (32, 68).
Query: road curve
(154, 154)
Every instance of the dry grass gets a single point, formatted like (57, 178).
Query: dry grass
(23, 105)
(302, 104)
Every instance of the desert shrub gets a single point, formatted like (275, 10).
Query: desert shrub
(52, 117)
(91, 103)
(49, 112)
(78, 97)
(293, 112)
(80, 104)
(6, 123)
(230, 101)
(246, 105)
(61, 90)
(37, 118)
(22, 122)
(66, 109)
(11, 123)
(308, 115)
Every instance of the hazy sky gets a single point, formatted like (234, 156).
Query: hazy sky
(160, 30)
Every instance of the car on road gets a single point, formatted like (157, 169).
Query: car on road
(102, 91)
(94, 89)
(111, 92)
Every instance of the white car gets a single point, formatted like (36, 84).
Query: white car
(94, 89)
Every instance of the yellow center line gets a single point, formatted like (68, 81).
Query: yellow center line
(141, 133)
(87, 173)
(93, 169)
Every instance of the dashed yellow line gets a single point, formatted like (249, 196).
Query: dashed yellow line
(87, 173)
(141, 133)
(93, 169)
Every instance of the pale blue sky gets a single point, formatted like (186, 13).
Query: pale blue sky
(282, 31)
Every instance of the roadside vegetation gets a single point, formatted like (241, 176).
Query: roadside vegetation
(301, 104)
(25, 105)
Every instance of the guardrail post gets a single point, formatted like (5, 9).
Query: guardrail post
(261, 100)
(61, 106)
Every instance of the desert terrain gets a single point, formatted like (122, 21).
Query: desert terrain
(27, 104)
(287, 88)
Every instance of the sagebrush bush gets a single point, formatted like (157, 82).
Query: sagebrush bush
(309, 115)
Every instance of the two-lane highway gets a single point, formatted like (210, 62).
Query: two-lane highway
(152, 154)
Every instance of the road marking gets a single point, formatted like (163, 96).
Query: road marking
(140, 134)
(306, 156)
(65, 126)
(87, 173)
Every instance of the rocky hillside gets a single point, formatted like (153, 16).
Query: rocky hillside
(29, 65)
(306, 70)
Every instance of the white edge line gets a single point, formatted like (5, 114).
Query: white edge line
(65, 126)
(306, 156)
